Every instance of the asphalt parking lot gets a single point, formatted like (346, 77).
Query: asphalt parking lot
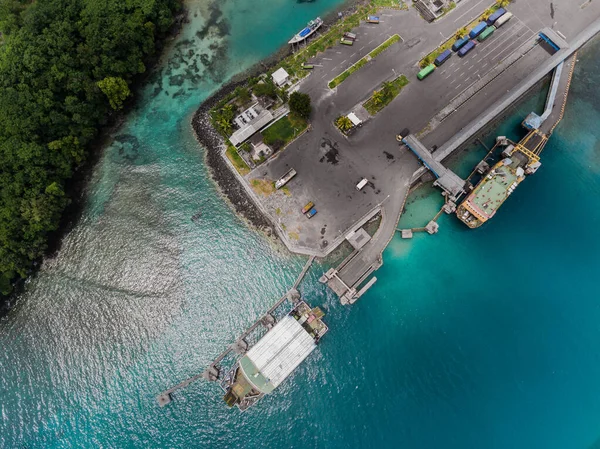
(329, 164)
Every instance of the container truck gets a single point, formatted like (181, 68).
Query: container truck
(308, 207)
(346, 41)
(495, 16)
(443, 57)
(478, 30)
(466, 48)
(373, 19)
(502, 20)
(311, 213)
(426, 71)
(350, 36)
(487, 33)
(460, 43)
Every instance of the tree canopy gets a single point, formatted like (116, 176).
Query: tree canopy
(300, 104)
(64, 64)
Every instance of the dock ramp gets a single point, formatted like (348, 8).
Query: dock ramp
(447, 180)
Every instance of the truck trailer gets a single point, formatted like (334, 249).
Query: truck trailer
(478, 30)
(466, 48)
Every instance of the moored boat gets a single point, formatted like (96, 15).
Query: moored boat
(312, 26)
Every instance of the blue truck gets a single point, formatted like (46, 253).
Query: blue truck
(478, 29)
(460, 43)
(492, 19)
(466, 48)
(443, 57)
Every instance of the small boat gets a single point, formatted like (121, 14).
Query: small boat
(312, 26)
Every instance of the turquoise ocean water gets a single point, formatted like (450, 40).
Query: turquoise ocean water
(469, 339)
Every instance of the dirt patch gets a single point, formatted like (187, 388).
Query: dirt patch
(263, 187)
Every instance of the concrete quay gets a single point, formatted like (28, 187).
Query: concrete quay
(449, 107)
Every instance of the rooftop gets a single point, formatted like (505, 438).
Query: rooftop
(277, 354)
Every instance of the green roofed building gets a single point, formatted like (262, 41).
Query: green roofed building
(274, 357)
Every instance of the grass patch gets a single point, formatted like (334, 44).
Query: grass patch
(284, 130)
(361, 62)
(388, 92)
(461, 32)
(294, 235)
(286, 190)
(394, 4)
(236, 160)
(278, 211)
(262, 186)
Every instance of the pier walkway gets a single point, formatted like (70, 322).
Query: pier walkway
(449, 181)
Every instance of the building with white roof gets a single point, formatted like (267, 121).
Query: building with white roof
(275, 356)
(280, 77)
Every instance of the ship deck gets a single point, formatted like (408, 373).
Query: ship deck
(491, 193)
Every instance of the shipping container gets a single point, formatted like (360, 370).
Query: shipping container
(311, 213)
(495, 16)
(443, 57)
(426, 71)
(460, 43)
(373, 19)
(478, 30)
(466, 48)
(308, 66)
(308, 207)
(346, 41)
(502, 20)
(487, 33)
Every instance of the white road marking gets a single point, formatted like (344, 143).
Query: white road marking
(361, 48)
(457, 69)
(467, 11)
(453, 81)
(339, 52)
(327, 59)
(343, 61)
(458, 87)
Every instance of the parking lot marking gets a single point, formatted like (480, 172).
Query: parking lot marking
(339, 52)
(361, 48)
(456, 70)
(457, 87)
(467, 11)
(453, 81)
(343, 61)
(327, 59)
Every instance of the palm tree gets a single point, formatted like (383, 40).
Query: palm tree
(344, 123)
(225, 125)
(387, 87)
(377, 97)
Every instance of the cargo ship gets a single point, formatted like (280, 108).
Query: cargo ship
(501, 180)
(312, 26)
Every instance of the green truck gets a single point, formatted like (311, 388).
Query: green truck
(426, 71)
(486, 33)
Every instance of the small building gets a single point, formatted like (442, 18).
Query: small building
(280, 77)
(274, 357)
(259, 148)
(249, 122)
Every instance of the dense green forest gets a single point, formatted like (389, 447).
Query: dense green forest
(65, 65)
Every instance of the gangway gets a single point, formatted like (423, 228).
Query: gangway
(447, 180)
(534, 121)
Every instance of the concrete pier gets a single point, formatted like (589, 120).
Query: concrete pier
(240, 346)
(449, 181)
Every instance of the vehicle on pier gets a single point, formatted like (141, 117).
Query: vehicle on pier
(274, 357)
(502, 20)
(466, 49)
(443, 57)
(486, 33)
(426, 71)
(460, 43)
(373, 19)
(311, 213)
(495, 16)
(478, 29)
(308, 207)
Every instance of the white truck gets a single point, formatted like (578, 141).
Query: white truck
(363, 182)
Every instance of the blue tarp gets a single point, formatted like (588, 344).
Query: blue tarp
(304, 32)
